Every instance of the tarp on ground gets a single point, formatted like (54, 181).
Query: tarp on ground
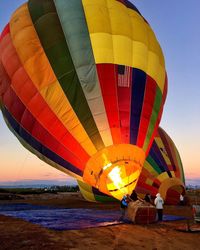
(66, 219)
(61, 219)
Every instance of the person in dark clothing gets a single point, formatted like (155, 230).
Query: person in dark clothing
(123, 205)
(147, 198)
(134, 196)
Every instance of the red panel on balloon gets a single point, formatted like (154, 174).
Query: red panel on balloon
(27, 92)
(150, 93)
(107, 77)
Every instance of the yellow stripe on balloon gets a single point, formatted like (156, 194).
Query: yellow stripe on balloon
(38, 68)
(163, 152)
(116, 31)
(86, 191)
(163, 176)
(150, 169)
(149, 181)
(173, 173)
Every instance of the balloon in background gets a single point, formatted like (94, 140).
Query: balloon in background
(162, 172)
(82, 86)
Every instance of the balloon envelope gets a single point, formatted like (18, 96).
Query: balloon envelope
(162, 173)
(163, 170)
(82, 86)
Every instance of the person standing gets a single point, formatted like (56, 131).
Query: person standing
(159, 206)
(147, 198)
(181, 200)
(123, 205)
(134, 196)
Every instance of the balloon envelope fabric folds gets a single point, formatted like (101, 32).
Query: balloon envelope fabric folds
(82, 86)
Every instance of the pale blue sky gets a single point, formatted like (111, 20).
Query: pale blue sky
(177, 27)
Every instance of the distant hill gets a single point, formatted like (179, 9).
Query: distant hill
(193, 182)
(37, 183)
(69, 182)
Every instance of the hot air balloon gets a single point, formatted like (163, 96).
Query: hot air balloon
(82, 86)
(162, 172)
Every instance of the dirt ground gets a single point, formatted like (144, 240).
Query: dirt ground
(17, 234)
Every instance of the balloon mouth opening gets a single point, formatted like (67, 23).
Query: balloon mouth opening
(122, 179)
(173, 194)
(170, 190)
(115, 169)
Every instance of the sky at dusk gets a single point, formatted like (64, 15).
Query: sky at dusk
(176, 25)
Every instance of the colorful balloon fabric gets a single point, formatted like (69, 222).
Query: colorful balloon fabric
(92, 194)
(82, 86)
(162, 173)
(163, 170)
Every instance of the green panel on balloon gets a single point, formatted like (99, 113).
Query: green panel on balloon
(53, 41)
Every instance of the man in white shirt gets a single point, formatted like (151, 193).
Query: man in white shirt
(159, 206)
